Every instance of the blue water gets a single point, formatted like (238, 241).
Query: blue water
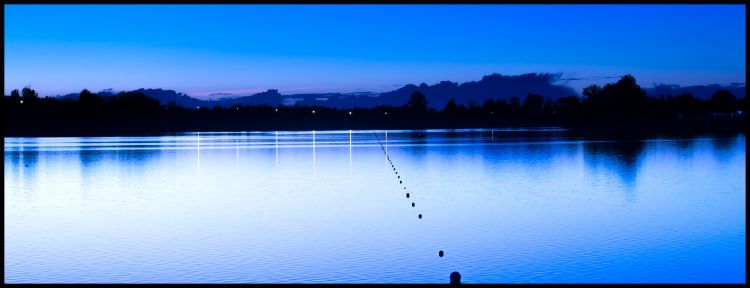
(506, 206)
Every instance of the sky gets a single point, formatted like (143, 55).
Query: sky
(243, 49)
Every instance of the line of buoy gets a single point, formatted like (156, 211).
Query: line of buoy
(455, 276)
(390, 161)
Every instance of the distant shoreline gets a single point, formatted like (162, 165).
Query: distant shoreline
(632, 129)
(620, 109)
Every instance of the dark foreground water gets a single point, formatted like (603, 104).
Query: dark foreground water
(509, 206)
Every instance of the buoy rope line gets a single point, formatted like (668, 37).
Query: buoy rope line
(398, 177)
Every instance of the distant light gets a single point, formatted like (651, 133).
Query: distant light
(350, 112)
(313, 111)
(277, 109)
(21, 101)
(197, 107)
(386, 113)
(238, 108)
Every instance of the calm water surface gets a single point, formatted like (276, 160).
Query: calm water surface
(506, 206)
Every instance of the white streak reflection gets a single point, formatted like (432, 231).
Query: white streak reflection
(199, 149)
(277, 150)
(313, 147)
(237, 147)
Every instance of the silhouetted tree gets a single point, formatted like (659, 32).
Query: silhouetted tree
(723, 101)
(488, 106)
(567, 107)
(592, 93)
(549, 107)
(417, 102)
(741, 104)
(514, 107)
(533, 105)
(621, 100)
(451, 106)
(15, 96)
(593, 102)
(90, 102)
(686, 106)
(133, 102)
(501, 107)
(29, 95)
(626, 98)
(172, 105)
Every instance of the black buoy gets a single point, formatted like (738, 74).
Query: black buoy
(404, 188)
(412, 204)
(399, 177)
(455, 277)
(441, 253)
(420, 216)
(407, 195)
(400, 182)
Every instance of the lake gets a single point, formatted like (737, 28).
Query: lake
(505, 206)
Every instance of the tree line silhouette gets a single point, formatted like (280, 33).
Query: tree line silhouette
(616, 107)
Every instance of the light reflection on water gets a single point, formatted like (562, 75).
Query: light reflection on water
(506, 206)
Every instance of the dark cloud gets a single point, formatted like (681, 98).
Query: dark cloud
(587, 78)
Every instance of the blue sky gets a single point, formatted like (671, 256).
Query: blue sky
(203, 49)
